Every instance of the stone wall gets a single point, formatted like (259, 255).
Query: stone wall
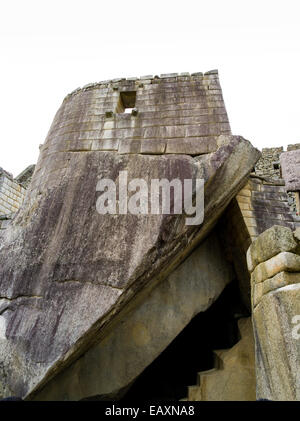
(25, 177)
(11, 194)
(293, 147)
(142, 334)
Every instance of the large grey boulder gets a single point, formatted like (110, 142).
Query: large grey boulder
(143, 332)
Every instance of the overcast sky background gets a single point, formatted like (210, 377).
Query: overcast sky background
(49, 48)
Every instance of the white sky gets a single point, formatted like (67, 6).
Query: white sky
(49, 48)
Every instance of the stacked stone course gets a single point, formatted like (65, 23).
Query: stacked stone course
(268, 165)
(173, 114)
(11, 194)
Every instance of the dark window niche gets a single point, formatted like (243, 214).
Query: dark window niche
(126, 102)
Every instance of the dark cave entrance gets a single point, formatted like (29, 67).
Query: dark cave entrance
(176, 368)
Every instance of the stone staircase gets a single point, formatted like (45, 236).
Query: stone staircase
(233, 375)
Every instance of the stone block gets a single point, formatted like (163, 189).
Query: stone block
(167, 75)
(253, 231)
(244, 206)
(247, 213)
(129, 146)
(280, 280)
(284, 261)
(153, 146)
(146, 77)
(271, 242)
(105, 145)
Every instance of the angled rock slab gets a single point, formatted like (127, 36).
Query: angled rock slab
(271, 242)
(66, 271)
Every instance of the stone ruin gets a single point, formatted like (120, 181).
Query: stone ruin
(143, 306)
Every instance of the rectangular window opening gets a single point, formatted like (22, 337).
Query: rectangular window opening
(126, 102)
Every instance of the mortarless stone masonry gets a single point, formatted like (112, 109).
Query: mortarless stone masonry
(178, 129)
(12, 193)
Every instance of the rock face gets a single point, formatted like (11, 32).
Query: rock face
(144, 332)
(67, 272)
(276, 313)
(290, 164)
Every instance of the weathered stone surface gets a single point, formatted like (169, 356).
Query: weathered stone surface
(290, 164)
(143, 333)
(280, 280)
(271, 242)
(297, 234)
(267, 166)
(63, 246)
(78, 270)
(277, 344)
(25, 176)
(130, 146)
(233, 378)
(275, 299)
(12, 193)
(283, 261)
(191, 146)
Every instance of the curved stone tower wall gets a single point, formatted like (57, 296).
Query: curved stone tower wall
(175, 115)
